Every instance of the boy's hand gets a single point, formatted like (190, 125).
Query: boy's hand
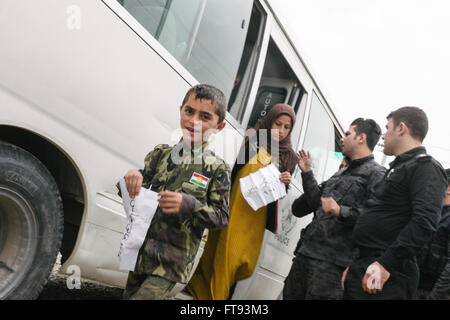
(170, 202)
(133, 180)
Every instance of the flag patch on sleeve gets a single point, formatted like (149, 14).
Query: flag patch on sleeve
(199, 180)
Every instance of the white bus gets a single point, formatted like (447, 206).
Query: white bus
(88, 87)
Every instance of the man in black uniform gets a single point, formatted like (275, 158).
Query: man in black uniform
(324, 249)
(434, 262)
(400, 216)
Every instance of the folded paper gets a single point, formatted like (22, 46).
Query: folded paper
(262, 187)
(140, 212)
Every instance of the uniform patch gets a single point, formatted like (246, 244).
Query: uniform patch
(199, 180)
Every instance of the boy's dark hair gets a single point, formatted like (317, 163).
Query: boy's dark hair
(414, 118)
(447, 171)
(370, 128)
(208, 92)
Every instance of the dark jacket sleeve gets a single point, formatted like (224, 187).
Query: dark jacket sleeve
(349, 214)
(441, 289)
(427, 190)
(312, 190)
(300, 207)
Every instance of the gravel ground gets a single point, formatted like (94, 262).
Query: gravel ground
(57, 289)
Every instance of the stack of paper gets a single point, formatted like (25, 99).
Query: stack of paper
(262, 187)
(140, 212)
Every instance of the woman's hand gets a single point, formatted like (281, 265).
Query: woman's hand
(285, 177)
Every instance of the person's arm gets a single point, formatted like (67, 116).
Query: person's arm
(427, 190)
(300, 207)
(441, 289)
(212, 213)
(135, 179)
(349, 214)
(150, 164)
(311, 189)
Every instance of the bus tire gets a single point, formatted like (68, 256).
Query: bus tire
(31, 223)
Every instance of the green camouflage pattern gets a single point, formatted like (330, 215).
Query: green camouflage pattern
(172, 240)
(144, 287)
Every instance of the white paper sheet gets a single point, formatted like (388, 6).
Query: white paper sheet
(140, 212)
(262, 187)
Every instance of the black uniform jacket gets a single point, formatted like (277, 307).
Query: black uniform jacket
(434, 262)
(403, 212)
(328, 237)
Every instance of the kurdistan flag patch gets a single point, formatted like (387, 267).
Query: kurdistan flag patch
(199, 180)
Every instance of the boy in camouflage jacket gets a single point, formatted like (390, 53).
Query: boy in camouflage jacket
(194, 186)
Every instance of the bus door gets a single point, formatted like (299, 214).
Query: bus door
(278, 84)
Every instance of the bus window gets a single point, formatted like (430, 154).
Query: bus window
(266, 98)
(206, 36)
(244, 76)
(279, 84)
(322, 141)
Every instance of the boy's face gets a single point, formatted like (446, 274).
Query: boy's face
(198, 120)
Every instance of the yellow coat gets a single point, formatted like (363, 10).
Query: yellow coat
(231, 253)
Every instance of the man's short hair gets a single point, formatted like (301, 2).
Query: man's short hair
(370, 128)
(447, 171)
(414, 118)
(208, 92)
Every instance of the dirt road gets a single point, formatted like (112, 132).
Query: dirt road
(57, 288)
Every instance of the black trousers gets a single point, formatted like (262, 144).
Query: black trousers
(312, 279)
(401, 285)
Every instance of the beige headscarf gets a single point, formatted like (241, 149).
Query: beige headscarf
(287, 156)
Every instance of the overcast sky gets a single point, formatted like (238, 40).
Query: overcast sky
(371, 57)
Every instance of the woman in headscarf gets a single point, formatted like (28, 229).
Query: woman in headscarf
(231, 253)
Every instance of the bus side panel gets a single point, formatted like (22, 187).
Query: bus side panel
(99, 93)
(101, 79)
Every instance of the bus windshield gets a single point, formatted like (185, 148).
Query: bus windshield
(206, 36)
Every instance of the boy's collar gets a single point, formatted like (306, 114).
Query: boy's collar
(197, 146)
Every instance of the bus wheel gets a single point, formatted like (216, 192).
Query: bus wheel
(31, 223)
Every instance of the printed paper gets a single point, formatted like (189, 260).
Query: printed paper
(262, 187)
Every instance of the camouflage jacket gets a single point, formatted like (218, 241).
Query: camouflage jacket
(327, 237)
(172, 240)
